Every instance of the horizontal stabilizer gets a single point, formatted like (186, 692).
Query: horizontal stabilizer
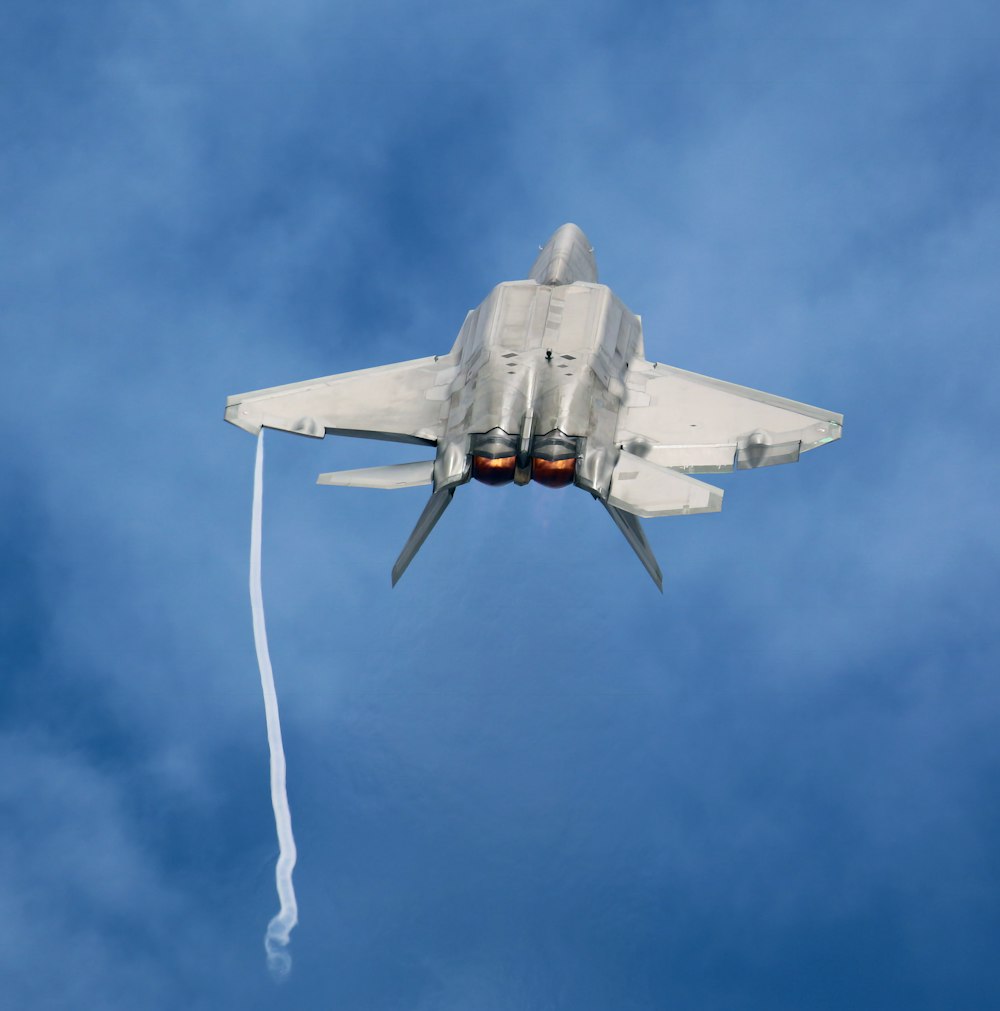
(399, 475)
(630, 526)
(645, 489)
(428, 518)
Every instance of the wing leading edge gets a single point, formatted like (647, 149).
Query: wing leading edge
(406, 402)
(701, 425)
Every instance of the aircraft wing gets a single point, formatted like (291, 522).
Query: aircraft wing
(701, 425)
(407, 402)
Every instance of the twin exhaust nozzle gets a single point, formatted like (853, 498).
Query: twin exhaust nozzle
(550, 460)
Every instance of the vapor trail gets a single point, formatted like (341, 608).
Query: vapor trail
(279, 961)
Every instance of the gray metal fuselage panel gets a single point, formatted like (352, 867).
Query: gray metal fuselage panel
(556, 353)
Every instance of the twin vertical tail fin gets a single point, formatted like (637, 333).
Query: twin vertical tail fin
(630, 526)
(638, 488)
(428, 518)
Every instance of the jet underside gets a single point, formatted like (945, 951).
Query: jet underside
(548, 381)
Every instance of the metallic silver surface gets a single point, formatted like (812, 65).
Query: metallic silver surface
(644, 489)
(397, 475)
(436, 505)
(566, 257)
(630, 526)
(548, 379)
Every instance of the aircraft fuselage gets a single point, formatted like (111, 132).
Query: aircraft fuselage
(540, 377)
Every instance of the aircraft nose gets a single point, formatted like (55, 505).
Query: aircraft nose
(569, 234)
(565, 258)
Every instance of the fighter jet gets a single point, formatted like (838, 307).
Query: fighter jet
(548, 381)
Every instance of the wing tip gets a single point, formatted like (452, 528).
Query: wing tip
(233, 416)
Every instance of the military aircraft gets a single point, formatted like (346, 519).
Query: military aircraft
(548, 382)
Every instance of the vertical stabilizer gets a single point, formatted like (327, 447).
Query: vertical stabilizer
(630, 526)
(428, 518)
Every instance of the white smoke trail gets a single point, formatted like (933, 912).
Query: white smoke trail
(279, 960)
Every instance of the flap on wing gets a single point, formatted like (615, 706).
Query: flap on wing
(644, 489)
(698, 424)
(407, 402)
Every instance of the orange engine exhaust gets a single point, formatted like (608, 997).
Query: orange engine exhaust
(553, 462)
(494, 457)
(494, 471)
(553, 473)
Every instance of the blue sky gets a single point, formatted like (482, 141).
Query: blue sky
(521, 779)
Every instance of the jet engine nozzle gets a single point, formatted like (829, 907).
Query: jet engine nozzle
(494, 457)
(553, 459)
(498, 470)
(553, 473)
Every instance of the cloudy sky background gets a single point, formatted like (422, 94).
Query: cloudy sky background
(522, 779)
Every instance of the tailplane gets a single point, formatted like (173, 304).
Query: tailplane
(397, 475)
